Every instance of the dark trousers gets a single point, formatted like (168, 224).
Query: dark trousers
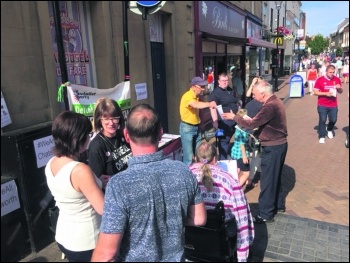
(228, 127)
(272, 196)
(76, 256)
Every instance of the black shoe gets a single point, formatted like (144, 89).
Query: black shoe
(281, 211)
(259, 220)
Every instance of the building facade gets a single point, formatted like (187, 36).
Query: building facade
(165, 51)
(93, 31)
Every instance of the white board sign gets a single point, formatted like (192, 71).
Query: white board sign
(43, 150)
(9, 197)
(5, 115)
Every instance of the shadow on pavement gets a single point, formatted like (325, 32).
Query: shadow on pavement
(39, 259)
(334, 128)
(257, 250)
(288, 179)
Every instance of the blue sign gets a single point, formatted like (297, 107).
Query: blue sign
(296, 86)
(148, 3)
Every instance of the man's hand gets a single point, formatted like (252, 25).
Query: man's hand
(228, 115)
(216, 124)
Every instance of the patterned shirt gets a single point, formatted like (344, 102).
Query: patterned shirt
(241, 137)
(227, 189)
(148, 203)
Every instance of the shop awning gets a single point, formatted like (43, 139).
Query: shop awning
(223, 39)
(261, 43)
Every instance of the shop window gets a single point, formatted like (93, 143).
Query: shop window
(232, 61)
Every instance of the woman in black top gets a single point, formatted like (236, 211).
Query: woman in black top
(108, 151)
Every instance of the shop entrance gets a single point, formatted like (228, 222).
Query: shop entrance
(216, 64)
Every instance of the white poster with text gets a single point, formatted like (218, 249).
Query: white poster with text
(9, 198)
(5, 115)
(43, 150)
(141, 91)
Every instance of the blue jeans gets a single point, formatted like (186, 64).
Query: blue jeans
(190, 139)
(323, 112)
(272, 195)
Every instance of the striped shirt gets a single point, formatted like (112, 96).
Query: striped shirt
(227, 189)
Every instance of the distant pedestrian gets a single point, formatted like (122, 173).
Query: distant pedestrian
(322, 71)
(345, 71)
(272, 123)
(189, 113)
(311, 76)
(148, 205)
(210, 79)
(326, 88)
(339, 67)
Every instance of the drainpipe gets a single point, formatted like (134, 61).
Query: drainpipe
(126, 41)
(60, 49)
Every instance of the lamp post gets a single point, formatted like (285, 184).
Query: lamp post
(277, 69)
(299, 56)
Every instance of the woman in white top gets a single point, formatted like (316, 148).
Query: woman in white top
(77, 191)
(323, 68)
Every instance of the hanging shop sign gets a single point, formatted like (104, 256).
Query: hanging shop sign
(278, 40)
(217, 19)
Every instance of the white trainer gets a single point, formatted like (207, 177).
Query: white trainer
(330, 134)
(322, 140)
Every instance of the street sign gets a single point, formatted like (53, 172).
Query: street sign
(300, 33)
(148, 3)
(145, 8)
(296, 86)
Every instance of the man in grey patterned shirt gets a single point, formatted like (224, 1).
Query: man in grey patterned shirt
(147, 205)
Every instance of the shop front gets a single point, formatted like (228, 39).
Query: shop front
(258, 52)
(220, 36)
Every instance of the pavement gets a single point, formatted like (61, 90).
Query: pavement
(315, 226)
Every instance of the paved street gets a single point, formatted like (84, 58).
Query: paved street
(315, 226)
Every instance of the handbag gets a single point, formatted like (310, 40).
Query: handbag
(53, 217)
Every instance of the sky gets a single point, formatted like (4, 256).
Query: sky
(323, 17)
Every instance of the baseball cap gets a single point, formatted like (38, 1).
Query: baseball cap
(198, 81)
